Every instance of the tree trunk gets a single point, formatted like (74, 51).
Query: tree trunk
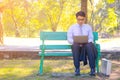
(84, 7)
(1, 30)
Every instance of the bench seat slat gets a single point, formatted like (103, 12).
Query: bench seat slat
(56, 54)
(51, 47)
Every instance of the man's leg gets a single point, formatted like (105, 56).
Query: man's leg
(76, 56)
(91, 58)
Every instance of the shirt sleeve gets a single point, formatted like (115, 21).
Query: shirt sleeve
(70, 35)
(90, 35)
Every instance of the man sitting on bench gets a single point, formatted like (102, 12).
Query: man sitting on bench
(82, 50)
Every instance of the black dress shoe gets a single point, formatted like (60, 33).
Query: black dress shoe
(77, 72)
(92, 72)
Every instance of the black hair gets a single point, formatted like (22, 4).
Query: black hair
(80, 13)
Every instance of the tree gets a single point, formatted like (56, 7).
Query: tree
(1, 25)
(103, 17)
(58, 14)
(1, 29)
(25, 18)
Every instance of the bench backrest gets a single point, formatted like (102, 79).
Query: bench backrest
(58, 36)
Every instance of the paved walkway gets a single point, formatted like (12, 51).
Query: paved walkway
(110, 45)
(110, 48)
(20, 44)
(32, 44)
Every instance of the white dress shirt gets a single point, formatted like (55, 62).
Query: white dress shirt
(77, 30)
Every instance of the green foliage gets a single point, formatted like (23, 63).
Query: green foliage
(110, 1)
(103, 17)
(26, 18)
(111, 21)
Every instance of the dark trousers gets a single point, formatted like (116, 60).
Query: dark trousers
(76, 50)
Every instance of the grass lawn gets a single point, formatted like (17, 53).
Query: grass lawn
(28, 69)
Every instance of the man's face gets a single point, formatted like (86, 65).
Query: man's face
(80, 20)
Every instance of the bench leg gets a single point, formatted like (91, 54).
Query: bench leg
(97, 64)
(41, 65)
(98, 58)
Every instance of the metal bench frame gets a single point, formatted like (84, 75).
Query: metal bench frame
(60, 36)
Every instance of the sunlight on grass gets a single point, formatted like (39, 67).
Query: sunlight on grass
(68, 67)
(47, 69)
(17, 69)
(61, 66)
(27, 69)
(58, 66)
(18, 72)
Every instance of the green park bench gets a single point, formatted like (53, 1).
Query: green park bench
(45, 36)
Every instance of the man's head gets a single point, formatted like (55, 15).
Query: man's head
(80, 16)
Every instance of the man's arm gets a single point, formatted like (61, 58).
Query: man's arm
(70, 35)
(90, 35)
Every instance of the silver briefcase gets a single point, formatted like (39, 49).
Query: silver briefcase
(106, 67)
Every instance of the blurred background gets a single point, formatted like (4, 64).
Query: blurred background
(26, 18)
(22, 20)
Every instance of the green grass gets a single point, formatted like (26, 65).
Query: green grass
(28, 69)
(17, 69)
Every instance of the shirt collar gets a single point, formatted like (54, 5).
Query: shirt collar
(80, 26)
